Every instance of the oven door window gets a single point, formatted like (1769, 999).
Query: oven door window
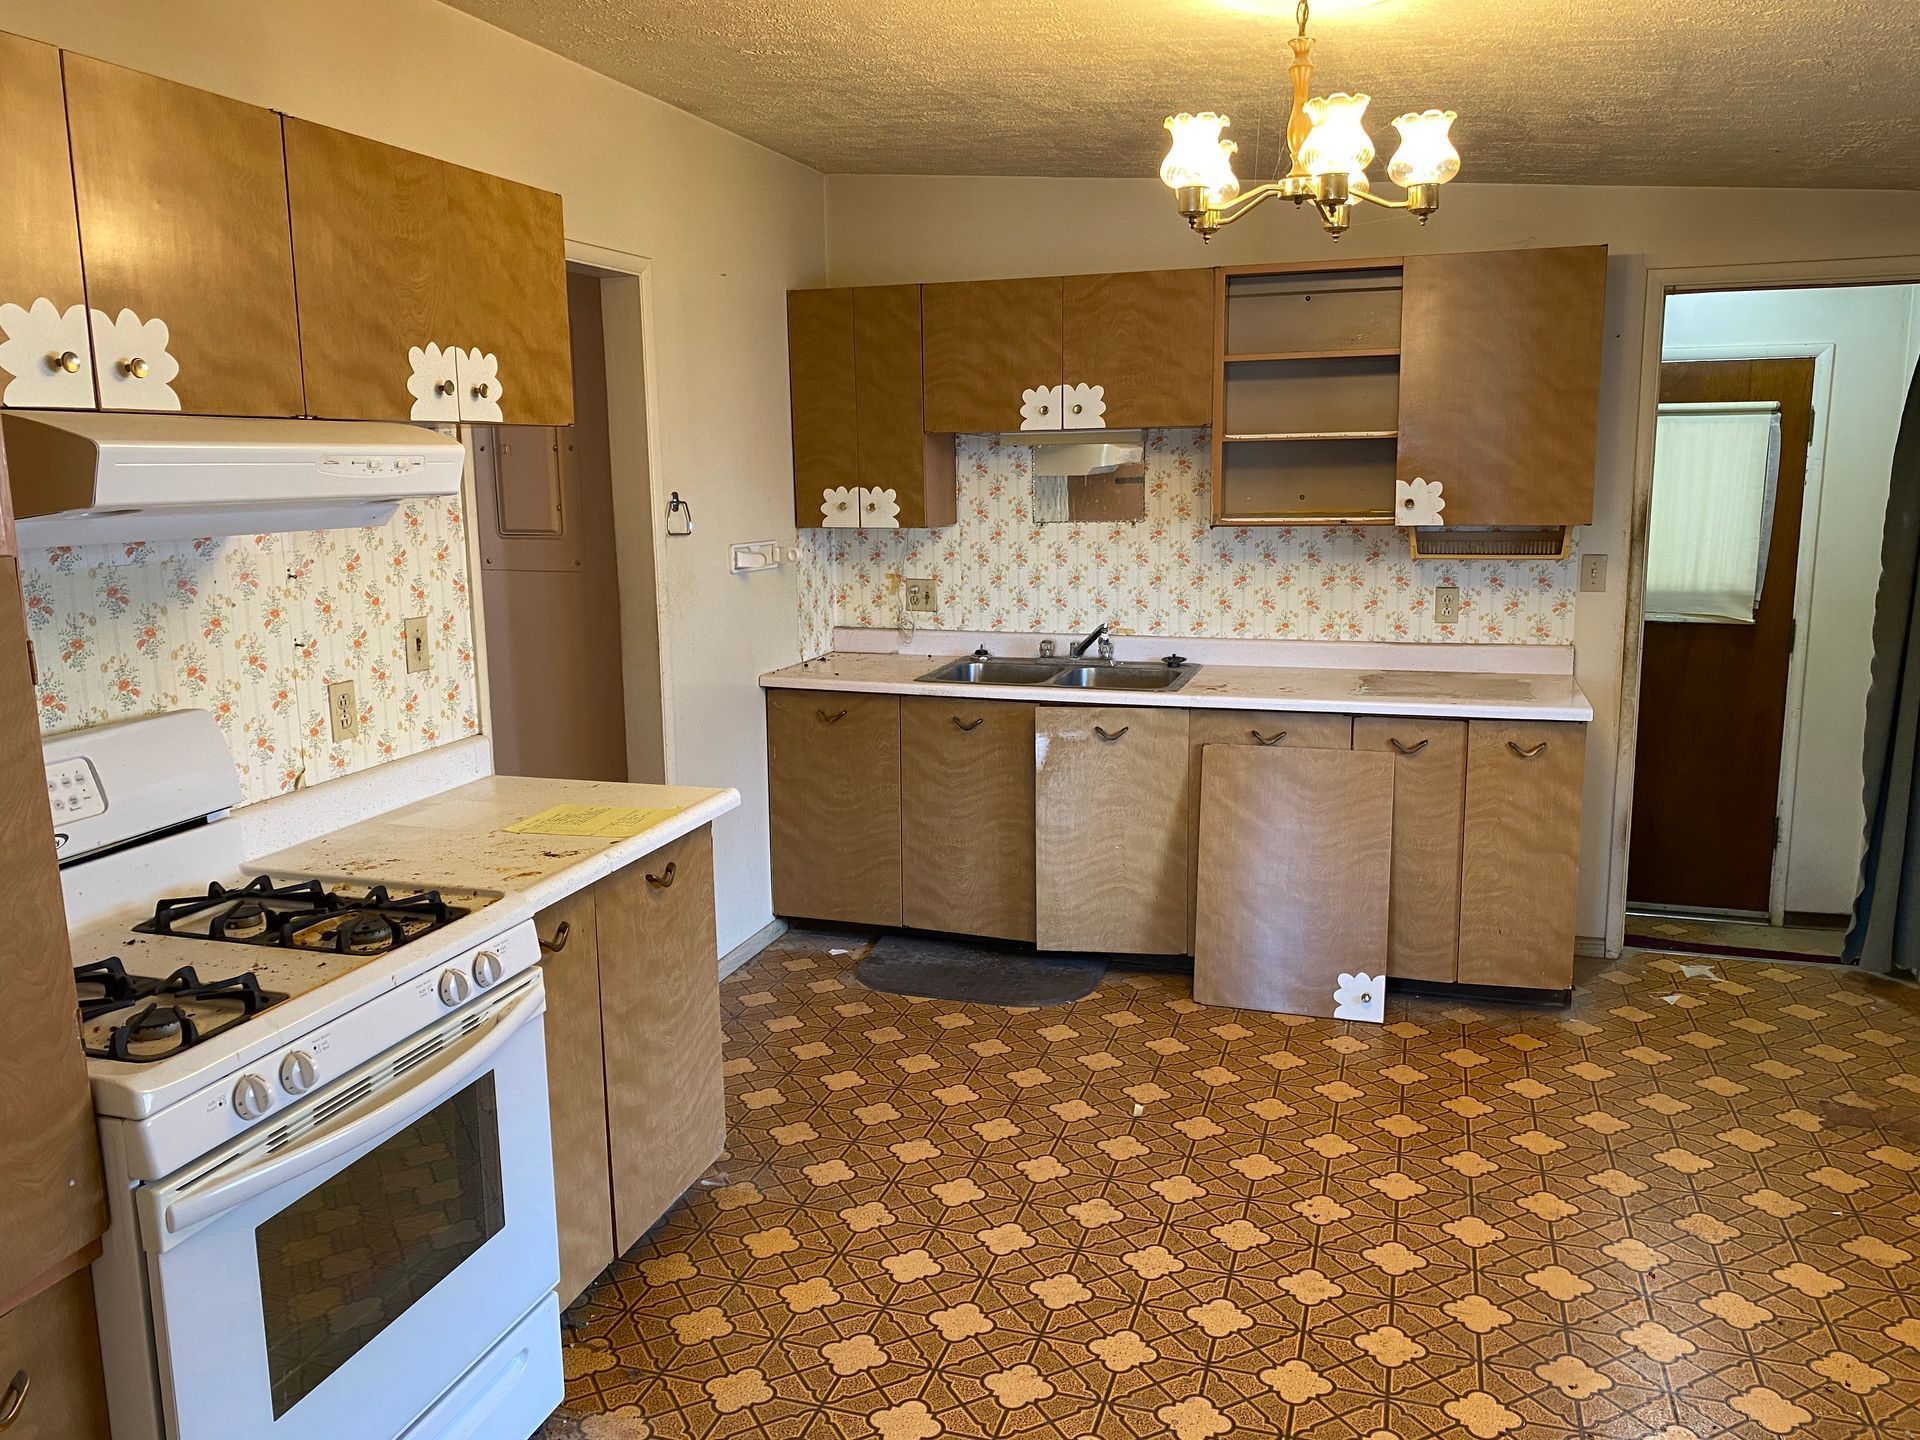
(344, 1261)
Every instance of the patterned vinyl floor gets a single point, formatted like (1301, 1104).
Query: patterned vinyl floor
(1687, 1207)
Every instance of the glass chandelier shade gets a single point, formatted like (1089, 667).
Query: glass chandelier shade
(1199, 157)
(1338, 143)
(1426, 155)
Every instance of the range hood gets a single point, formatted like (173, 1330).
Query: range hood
(90, 478)
(1080, 452)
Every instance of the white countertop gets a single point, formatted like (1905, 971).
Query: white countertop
(458, 838)
(1478, 695)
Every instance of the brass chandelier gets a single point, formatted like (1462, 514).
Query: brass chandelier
(1330, 150)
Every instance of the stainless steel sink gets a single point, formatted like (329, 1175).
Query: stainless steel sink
(1120, 675)
(1079, 674)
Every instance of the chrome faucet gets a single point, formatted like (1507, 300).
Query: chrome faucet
(1080, 647)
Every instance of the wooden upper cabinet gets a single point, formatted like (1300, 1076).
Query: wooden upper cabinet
(896, 451)
(987, 342)
(182, 202)
(820, 386)
(1500, 382)
(1147, 338)
(39, 237)
(457, 260)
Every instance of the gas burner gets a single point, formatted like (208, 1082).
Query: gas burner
(304, 915)
(181, 1010)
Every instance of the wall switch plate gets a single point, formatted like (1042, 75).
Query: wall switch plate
(1446, 604)
(343, 709)
(1593, 572)
(920, 596)
(419, 651)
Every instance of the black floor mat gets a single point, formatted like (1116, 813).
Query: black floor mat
(977, 974)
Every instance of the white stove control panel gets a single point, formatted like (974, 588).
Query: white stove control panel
(73, 791)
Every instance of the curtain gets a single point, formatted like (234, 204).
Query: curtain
(1715, 469)
(1886, 916)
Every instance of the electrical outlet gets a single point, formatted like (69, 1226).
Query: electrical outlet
(1446, 604)
(419, 652)
(920, 596)
(343, 709)
(1593, 572)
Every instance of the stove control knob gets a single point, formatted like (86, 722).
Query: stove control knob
(486, 969)
(296, 1073)
(251, 1098)
(453, 987)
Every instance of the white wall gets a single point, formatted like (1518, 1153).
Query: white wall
(899, 228)
(728, 226)
(1870, 331)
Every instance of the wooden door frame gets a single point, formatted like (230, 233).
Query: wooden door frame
(1662, 283)
(634, 444)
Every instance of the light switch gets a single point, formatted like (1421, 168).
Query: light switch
(419, 652)
(1593, 572)
(920, 596)
(343, 709)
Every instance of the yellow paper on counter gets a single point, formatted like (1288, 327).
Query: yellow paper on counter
(605, 822)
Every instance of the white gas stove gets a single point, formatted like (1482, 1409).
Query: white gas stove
(323, 1115)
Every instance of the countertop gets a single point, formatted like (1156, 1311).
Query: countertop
(458, 838)
(1376, 691)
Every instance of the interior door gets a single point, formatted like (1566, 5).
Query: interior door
(1713, 697)
(549, 578)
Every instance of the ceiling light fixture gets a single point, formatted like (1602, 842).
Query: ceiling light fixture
(1330, 149)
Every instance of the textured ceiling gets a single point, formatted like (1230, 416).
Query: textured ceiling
(1684, 92)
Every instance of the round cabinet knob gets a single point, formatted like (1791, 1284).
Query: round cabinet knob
(1077, 409)
(1046, 409)
(444, 387)
(251, 1098)
(453, 988)
(136, 367)
(486, 969)
(66, 360)
(482, 390)
(297, 1073)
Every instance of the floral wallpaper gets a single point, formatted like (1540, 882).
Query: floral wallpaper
(1170, 574)
(254, 628)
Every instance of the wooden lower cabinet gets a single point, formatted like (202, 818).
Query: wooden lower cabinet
(637, 1101)
(1281, 729)
(54, 1340)
(833, 790)
(1110, 829)
(1520, 865)
(1429, 804)
(966, 839)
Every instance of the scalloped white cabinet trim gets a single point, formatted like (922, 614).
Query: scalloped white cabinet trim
(1040, 407)
(1083, 407)
(434, 383)
(35, 336)
(879, 509)
(479, 369)
(1361, 997)
(840, 507)
(118, 341)
(1417, 502)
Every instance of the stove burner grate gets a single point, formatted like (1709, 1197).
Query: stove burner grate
(303, 915)
(169, 1014)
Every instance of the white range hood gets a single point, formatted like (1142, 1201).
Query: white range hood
(91, 478)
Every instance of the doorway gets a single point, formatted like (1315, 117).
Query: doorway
(1776, 415)
(562, 519)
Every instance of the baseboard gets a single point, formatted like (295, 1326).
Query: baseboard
(751, 946)
(1591, 947)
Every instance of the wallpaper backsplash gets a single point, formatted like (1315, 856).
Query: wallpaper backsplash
(1170, 574)
(254, 628)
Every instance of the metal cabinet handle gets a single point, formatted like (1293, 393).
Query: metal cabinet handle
(826, 719)
(444, 387)
(136, 367)
(1409, 749)
(482, 390)
(1115, 736)
(562, 933)
(16, 1397)
(973, 724)
(66, 360)
(664, 880)
(1273, 739)
(1539, 749)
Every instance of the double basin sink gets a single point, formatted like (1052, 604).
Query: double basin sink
(1065, 674)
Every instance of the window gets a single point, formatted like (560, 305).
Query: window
(1715, 467)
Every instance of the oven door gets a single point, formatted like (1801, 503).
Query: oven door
(337, 1274)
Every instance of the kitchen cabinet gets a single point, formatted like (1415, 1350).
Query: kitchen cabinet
(967, 817)
(53, 1342)
(1110, 829)
(833, 789)
(1269, 729)
(577, 1091)
(861, 452)
(182, 203)
(1025, 354)
(1520, 862)
(451, 308)
(1429, 803)
(635, 1090)
(1500, 382)
(46, 353)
